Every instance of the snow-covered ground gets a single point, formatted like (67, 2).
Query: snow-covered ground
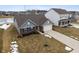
(47, 36)
(5, 26)
(68, 48)
(14, 47)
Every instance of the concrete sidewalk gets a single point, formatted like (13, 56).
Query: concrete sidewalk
(75, 25)
(74, 44)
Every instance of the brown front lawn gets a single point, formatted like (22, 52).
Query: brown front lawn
(34, 43)
(1, 41)
(69, 31)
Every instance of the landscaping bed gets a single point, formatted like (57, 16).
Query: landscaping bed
(69, 31)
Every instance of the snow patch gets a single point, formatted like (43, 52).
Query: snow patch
(75, 25)
(14, 42)
(14, 47)
(47, 36)
(68, 48)
(5, 26)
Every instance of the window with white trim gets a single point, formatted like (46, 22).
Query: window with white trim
(48, 22)
(28, 23)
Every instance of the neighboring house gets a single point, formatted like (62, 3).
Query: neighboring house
(75, 16)
(40, 11)
(0, 13)
(77, 20)
(29, 12)
(27, 23)
(59, 17)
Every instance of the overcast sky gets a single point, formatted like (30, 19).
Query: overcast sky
(42, 7)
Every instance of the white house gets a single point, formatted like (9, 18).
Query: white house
(58, 17)
(76, 16)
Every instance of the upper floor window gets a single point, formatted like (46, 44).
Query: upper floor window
(28, 23)
(48, 22)
(62, 23)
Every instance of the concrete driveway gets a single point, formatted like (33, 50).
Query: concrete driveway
(75, 25)
(74, 44)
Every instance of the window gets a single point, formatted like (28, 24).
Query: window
(65, 22)
(68, 21)
(48, 22)
(29, 29)
(62, 23)
(59, 23)
(28, 23)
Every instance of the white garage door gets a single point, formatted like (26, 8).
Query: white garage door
(47, 27)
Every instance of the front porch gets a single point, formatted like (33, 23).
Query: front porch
(64, 23)
(31, 30)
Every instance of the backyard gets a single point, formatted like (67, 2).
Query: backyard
(69, 31)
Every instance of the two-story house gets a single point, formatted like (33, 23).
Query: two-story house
(59, 17)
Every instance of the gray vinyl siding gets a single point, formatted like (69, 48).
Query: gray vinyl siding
(25, 25)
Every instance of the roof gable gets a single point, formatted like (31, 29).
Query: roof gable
(60, 11)
(38, 19)
(28, 23)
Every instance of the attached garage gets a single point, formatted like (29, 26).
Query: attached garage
(47, 27)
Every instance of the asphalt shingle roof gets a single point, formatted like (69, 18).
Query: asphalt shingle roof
(38, 19)
(60, 11)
